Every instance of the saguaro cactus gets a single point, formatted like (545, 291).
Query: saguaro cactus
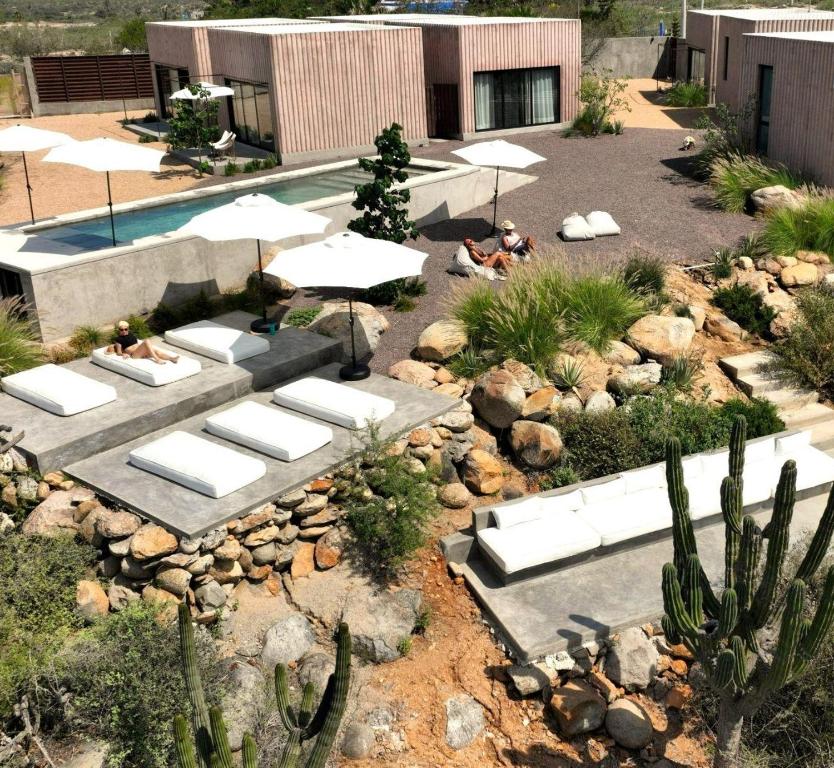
(210, 737)
(724, 633)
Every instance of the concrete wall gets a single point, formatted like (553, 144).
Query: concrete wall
(635, 56)
(802, 102)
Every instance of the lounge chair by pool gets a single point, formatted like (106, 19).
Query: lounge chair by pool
(147, 371)
(219, 342)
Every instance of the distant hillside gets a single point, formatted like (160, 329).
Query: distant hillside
(80, 10)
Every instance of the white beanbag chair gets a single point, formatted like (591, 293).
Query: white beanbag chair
(219, 342)
(58, 390)
(147, 371)
(574, 227)
(462, 264)
(336, 403)
(602, 224)
(198, 464)
(268, 430)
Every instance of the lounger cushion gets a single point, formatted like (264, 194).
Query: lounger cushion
(147, 371)
(198, 464)
(633, 515)
(602, 224)
(785, 446)
(336, 403)
(760, 450)
(813, 467)
(219, 342)
(518, 512)
(574, 227)
(563, 502)
(269, 430)
(643, 479)
(58, 390)
(611, 489)
(548, 539)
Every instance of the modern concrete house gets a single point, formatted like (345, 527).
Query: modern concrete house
(716, 46)
(790, 75)
(493, 75)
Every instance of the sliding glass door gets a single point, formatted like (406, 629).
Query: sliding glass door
(514, 98)
(250, 114)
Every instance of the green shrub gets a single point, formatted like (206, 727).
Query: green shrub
(682, 372)
(742, 304)
(761, 415)
(734, 179)
(135, 687)
(250, 166)
(682, 310)
(806, 355)
(86, 338)
(558, 477)
(270, 161)
(686, 94)
(750, 246)
(569, 373)
(601, 95)
(722, 262)
(724, 135)
(146, 139)
(150, 117)
(18, 348)
(597, 444)
(395, 293)
(230, 169)
(646, 274)
(139, 326)
(301, 317)
(811, 228)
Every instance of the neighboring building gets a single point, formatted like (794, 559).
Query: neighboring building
(493, 74)
(791, 78)
(716, 46)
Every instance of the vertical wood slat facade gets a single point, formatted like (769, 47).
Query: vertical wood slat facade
(92, 78)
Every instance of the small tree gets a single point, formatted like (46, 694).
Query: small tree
(726, 134)
(132, 35)
(601, 95)
(753, 638)
(194, 122)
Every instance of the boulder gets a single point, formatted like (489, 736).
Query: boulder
(745, 263)
(246, 701)
(450, 390)
(117, 525)
(619, 353)
(292, 499)
(526, 377)
(571, 404)
(578, 708)
(226, 571)
(528, 679)
(801, 273)
(636, 379)
(498, 398)
(787, 261)
(210, 596)
(698, 315)
(457, 421)
(358, 741)
(537, 445)
(441, 340)
(378, 622)
(721, 326)
(314, 503)
(262, 536)
(27, 489)
(756, 281)
(413, 372)
(88, 754)
(632, 660)
(229, 549)
(772, 198)
(769, 265)
(52, 517)
(599, 402)
(813, 257)
(316, 668)
(369, 325)
(454, 496)
(288, 640)
(201, 565)
(441, 463)
(173, 580)
(303, 562)
(481, 472)
(542, 404)
(661, 338)
(152, 541)
(120, 595)
(91, 601)
(628, 724)
(329, 548)
(464, 721)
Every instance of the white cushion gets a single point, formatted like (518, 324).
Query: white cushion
(537, 542)
(336, 403)
(563, 502)
(813, 467)
(791, 443)
(612, 489)
(574, 227)
(219, 342)
(198, 464)
(147, 371)
(643, 479)
(602, 224)
(637, 514)
(522, 511)
(759, 481)
(58, 390)
(692, 469)
(760, 450)
(715, 466)
(266, 429)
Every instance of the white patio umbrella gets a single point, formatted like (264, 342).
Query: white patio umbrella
(257, 217)
(214, 92)
(347, 260)
(105, 155)
(501, 154)
(23, 139)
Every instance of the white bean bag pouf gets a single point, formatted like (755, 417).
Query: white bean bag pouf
(147, 371)
(574, 227)
(602, 224)
(268, 430)
(336, 403)
(58, 390)
(219, 342)
(198, 464)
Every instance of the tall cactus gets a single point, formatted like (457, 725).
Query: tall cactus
(723, 633)
(210, 746)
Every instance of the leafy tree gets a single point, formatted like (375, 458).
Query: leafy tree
(132, 35)
(194, 121)
(601, 95)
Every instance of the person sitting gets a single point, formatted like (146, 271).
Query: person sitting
(497, 260)
(128, 346)
(471, 261)
(514, 244)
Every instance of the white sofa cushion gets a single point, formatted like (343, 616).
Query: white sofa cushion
(789, 444)
(563, 502)
(147, 371)
(692, 469)
(644, 479)
(602, 223)
(715, 465)
(336, 403)
(266, 429)
(219, 342)
(521, 511)
(198, 464)
(813, 467)
(574, 227)
(611, 489)
(761, 450)
(58, 390)
(549, 539)
(633, 515)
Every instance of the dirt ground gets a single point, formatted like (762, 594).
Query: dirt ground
(645, 98)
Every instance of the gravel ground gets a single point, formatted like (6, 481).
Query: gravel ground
(636, 177)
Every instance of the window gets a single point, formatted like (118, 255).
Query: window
(10, 285)
(726, 55)
(514, 98)
(763, 122)
(169, 80)
(250, 114)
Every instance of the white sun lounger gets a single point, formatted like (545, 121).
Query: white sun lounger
(266, 429)
(58, 390)
(336, 403)
(147, 371)
(198, 464)
(219, 342)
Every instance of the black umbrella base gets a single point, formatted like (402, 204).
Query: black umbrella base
(354, 373)
(263, 326)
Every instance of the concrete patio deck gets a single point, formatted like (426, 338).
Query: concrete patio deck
(188, 513)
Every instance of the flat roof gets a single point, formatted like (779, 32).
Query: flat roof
(820, 36)
(300, 29)
(438, 19)
(764, 14)
(219, 23)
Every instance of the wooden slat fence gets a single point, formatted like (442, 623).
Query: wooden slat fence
(92, 78)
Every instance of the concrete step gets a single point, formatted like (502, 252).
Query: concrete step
(736, 366)
(817, 418)
(758, 384)
(790, 399)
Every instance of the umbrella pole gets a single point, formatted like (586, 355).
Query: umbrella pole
(353, 372)
(110, 206)
(495, 204)
(28, 187)
(262, 325)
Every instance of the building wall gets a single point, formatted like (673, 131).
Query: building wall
(801, 128)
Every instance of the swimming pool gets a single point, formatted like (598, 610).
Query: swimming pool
(94, 234)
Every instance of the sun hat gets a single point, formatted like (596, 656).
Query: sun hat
(507, 224)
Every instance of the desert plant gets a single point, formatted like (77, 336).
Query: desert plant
(301, 317)
(569, 372)
(86, 338)
(686, 94)
(750, 246)
(558, 477)
(726, 632)
(724, 134)
(809, 228)
(598, 444)
(231, 168)
(150, 117)
(761, 415)
(645, 273)
(742, 304)
(601, 95)
(722, 262)
(270, 161)
(147, 139)
(470, 362)
(682, 310)
(683, 370)
(734, 179)
(18, 348)
(250, 166)
(209, 746)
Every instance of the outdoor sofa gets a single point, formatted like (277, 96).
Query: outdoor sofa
(145, 370)
(58, 390)
(525, 537)
(219, 342)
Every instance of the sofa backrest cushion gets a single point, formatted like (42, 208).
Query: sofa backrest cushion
(523, 511)
(716, 464)
(785, 446)
(644, 479)
(565, 502)
(610, 489)
(692, 469)
(761, 450)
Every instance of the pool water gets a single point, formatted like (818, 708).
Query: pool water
(94, 234)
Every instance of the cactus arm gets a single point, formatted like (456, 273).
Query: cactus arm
(738, 439)
(282, 699)
(315, 725)
(740, 674)
(821, 624)
(729, 613)
(674, 606)
(669, 629)
(250, 752)
(194, 686)
(220, 738)
(783, 656)
(693, 588)
(682, 533)
(292, 750)
(748, 562)
(820, 543)
(182, 744)
(731, 506)
(305, 711)
(724, 669)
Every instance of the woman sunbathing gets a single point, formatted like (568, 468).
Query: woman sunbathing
(497, 260)
(128, 346)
